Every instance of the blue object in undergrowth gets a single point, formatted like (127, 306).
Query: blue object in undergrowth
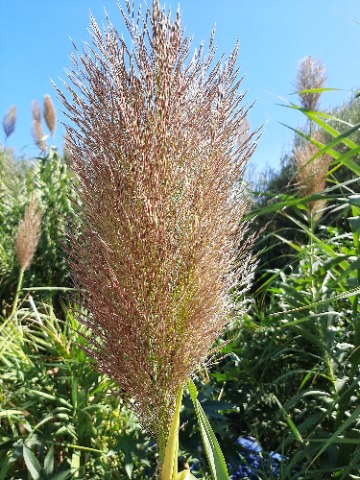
(254, 462)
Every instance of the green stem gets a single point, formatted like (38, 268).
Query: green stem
(18, 290)
(169, 454)
(311, 240)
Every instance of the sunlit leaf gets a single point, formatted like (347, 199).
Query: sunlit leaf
(355, 224)
(32, 463)
(212, 448)
(186, 475)
(49, 461)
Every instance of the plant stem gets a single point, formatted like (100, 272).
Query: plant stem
(169, 455)
(18, 290)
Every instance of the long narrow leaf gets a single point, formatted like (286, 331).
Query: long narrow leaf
(49, 461)
(289, 421)
(32, 463)
(318, 90)
(341, 296)
(5, 467)
(212, 448)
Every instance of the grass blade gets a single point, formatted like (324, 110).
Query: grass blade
(212, 448)
(49, 461)
(32, 463)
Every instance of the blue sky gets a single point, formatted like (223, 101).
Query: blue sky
(274, 36)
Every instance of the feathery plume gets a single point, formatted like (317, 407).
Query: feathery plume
(311, 75)
(9, 121)
(155, 150)
(37, 131)
(36, 111)
(28, 234)
(311, 172)
(49, 114)
(39, 136)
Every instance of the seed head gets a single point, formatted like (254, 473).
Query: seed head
(311, 75)
(158, 163)
(36, 111)
(28, 234)
(9, 121)
(311, 172)
(38, 135)
(49, 114)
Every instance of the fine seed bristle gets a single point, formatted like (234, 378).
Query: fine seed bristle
(9, 121)
(49, 114)
(28, 234)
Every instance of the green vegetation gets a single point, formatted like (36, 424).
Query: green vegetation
(287, 374)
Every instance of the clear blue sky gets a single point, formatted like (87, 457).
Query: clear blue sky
(274, 36)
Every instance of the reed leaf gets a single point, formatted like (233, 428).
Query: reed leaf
(212, 448)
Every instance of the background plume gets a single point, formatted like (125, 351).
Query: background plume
(311, 75)
(312, 172)
(28, 234)
(9, 121)
(49, 114)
